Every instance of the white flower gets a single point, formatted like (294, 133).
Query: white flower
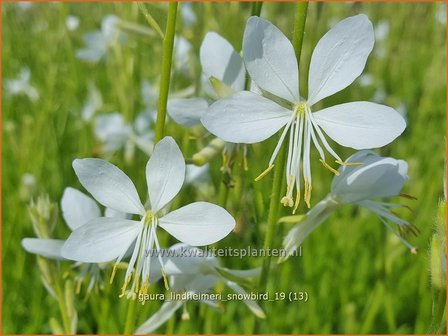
(93, 103)
(220, 61)
(77, 210)
(72, 22)
(22, 85)
(182, 51)
(115, 134)
(106, 239)
(189, 17)
(337, 61)
(98, 42)
(373, 177)
(192, 271)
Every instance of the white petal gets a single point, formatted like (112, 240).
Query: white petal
(220, 60)
(109, 212)
(183, 259)
(188, 111)
(245, 117)
(165, 173)
(340, 57)
(270, 59)
(376, 177)
(101, 240)
(158, 318)
(361, 125)
(48, 248)
(198, 223)
(109, 185)
(251, 304)
(78, 208)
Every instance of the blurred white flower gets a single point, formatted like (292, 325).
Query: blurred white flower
(337, 60)
(106, 239)
(21, 85)
(189, 17)
(98, 42)
(24, 5)
(441, 13)
(382, 29)
(77, 210)
(365, 80)
(27, 186)
(192, 271)
(115, 134)
(93, 103)
(372, 177)
(182, 54)
(72, 22)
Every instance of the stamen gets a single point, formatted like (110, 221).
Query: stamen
(264, 173)
(307, 195)
(114, 270)
(345, 163)
(330, 168)
(245, 163)
(296, 205)
(287, 201)
(165, 280)
(280, 141)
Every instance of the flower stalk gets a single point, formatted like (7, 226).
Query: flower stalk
(302, 9)
(167, 58)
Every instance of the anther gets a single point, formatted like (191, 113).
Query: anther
(263, 174)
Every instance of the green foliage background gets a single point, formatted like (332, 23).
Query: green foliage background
(359, 277)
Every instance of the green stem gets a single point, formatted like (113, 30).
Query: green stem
(302, 8)
(167, 57)
(66, 321)
(256, 8)
(299, 28)
(130, 318)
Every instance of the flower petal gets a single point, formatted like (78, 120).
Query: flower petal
(109, 185)
(219, 59)
(251, 304)
(165, 173)
(376, 177)
(78, 208)
(101, 240)
(339, 57)
(198, 223)
(160, 317)
(361, 125)
(245, 117)
(109, 212)
(270, 59)
(48, 248)
(188, 111)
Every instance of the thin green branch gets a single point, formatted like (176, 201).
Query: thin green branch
(167, 58)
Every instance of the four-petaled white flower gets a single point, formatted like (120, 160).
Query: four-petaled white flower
(337, 61)
(190, 271)
(106, 239)
(376, 177)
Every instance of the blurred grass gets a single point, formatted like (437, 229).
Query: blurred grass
(360, 279)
